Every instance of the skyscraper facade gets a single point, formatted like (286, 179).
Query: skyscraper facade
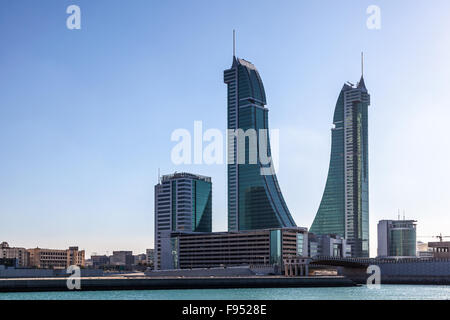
(254, 199)
(183, 202)
(344, 209)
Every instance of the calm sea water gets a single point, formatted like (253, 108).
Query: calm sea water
(386, 292)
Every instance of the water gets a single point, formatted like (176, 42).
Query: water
(386, 292)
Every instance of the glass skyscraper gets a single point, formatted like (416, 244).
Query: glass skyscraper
(344, 209)
(183, 202)
(254, 199)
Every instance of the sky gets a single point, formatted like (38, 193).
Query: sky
(86, 116)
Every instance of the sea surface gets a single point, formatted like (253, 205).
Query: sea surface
(385, 292)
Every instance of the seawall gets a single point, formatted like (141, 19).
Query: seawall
(433, 272)
(146, 283)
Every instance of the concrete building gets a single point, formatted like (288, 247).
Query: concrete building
(330, 245)
(440, 250)
(122, 258)
(100, 261)
(397, 238)
(183, 202)
(296, 266)
(21, 255)
(268, 247)
(56, 258)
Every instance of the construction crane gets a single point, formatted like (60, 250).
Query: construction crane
(440, 237)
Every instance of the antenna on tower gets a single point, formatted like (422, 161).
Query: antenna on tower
(398, 214)
(159, 175)
(234, 43)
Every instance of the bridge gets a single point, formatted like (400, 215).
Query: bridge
(343, 262)
(393, 271)
(365, 262)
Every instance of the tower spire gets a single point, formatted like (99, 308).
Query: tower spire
(362, 64)
(361, 84)
(234, 43)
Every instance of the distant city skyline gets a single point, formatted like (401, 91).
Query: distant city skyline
(86, 115)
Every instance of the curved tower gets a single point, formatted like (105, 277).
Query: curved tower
(254, 199)
(344, 209)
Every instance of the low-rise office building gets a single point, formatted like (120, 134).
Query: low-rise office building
(330, 245)
(440, 250)
(99, 261)
(56, 258)
(397, 238)
(122, 258)
(184, 250)
(21, 255)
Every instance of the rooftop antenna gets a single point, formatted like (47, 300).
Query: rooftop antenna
(404, 214)
(159, 175)
(234, 43)
(398, 214)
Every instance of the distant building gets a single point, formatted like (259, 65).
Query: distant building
(100, 261)
(330, 245)
(313, 246)
(150, 253)
(56, 258)
(423, 251)
(441, 250)
(21, 255)
(184, 250)
(122, 258)
(183, 202)
(140, 259)
(396, 238)
(88, 263)
(7, 262)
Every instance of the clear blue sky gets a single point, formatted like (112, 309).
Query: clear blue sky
(86, 115)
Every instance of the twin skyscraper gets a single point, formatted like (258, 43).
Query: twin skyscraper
(183, 201)
(255, 201)
(344, 209)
